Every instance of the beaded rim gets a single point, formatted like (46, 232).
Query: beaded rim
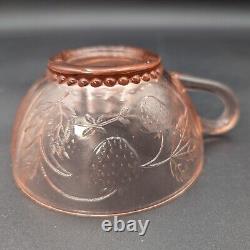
(73, 67)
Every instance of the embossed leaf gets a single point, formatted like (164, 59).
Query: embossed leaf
(178, 170)
(67, 131)
(100, 119)
(89, 118)
(87, 132)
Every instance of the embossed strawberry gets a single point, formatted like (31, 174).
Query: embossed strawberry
(115, 163)
(154, 114)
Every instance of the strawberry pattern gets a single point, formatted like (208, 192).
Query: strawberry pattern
(114, 163)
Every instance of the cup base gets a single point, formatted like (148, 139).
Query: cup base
(84, 213)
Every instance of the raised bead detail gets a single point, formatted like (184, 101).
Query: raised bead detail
(109, 82)
(96, 82)
(153, 74)
(123, 80)
(146, 77)
(71, 81)
(135, 79)
(61, 79)
(83, 82)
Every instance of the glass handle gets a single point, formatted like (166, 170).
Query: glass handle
(230, 115)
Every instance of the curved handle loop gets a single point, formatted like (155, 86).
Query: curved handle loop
(229, 117)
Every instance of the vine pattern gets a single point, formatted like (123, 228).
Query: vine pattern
(61, 134)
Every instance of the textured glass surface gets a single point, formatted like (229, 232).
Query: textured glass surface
(103, 151)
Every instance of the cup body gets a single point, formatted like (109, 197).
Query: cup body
(107, 150)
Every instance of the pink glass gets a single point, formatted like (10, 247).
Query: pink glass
(108, 131)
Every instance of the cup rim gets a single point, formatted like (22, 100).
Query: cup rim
(106, 65)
